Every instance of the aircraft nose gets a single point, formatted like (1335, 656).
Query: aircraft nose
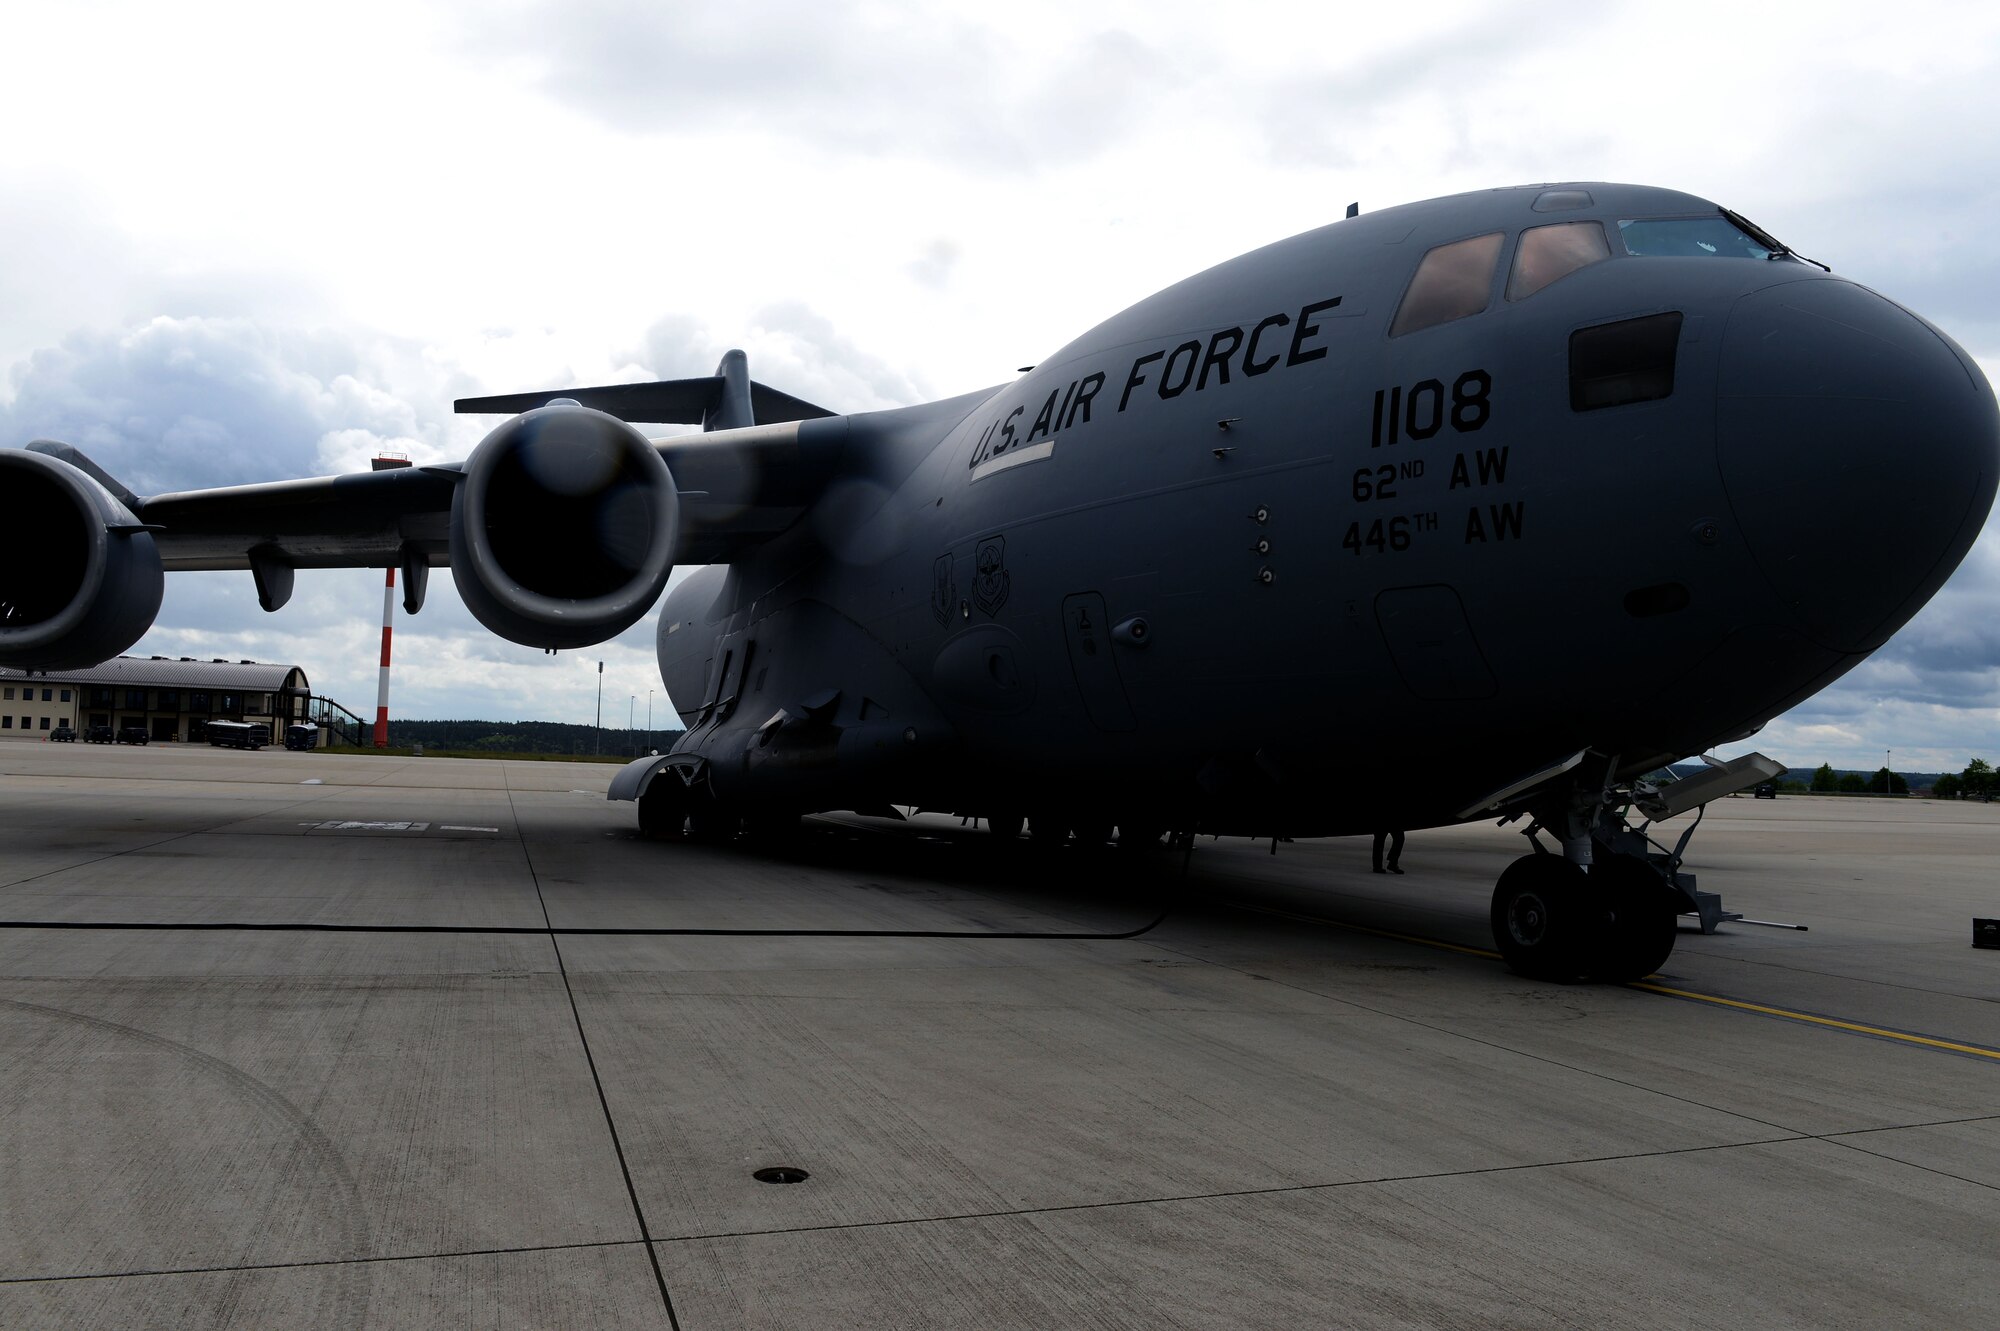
(1859, 448)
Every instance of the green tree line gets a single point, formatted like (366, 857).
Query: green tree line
(1977, 781)
(528, 737)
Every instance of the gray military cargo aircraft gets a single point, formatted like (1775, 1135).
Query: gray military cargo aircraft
(1480, 507)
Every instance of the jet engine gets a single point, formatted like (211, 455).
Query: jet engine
(80, 577)
(563, 527)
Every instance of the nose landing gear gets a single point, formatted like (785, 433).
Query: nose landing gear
(1614, 922)
(1607, 908)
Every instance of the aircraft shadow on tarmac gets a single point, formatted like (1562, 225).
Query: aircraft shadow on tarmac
(1079, 891)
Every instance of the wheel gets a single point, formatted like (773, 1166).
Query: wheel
(1542, 922)
(1640, 919)
(1006, 825)
(663, 809)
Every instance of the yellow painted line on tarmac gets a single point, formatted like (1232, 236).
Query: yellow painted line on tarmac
(1813, 1019)
(1761, 1009)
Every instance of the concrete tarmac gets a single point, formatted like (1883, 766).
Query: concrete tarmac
(1308, 1096)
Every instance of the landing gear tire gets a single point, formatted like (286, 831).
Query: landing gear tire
(1542, 920)
(1640, 920)
(663, 809)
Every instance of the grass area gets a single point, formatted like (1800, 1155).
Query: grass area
(404, 751)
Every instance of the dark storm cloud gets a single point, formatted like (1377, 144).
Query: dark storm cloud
(181, 403)
(916, 82)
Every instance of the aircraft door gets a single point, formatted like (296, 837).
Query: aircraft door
(1087, 631)
(1431, 641)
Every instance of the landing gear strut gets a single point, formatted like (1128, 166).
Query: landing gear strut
(1607, 908)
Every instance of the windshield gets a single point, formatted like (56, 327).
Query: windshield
(1689, 237)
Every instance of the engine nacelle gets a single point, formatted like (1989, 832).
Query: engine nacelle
(563, 529)
(80, 577)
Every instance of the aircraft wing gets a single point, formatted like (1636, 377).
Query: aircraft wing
(733, 493)
(560, 528)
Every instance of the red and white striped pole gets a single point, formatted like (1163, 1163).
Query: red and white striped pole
(382, 688)
(386, 462)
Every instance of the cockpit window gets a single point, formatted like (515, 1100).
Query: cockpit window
(1689, 237)
(1548, 252)
(1453, 282)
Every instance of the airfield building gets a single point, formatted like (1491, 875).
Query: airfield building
(172, 699)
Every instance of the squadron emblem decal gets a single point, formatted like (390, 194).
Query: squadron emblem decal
(991, 582)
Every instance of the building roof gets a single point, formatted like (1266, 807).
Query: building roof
(171, 673)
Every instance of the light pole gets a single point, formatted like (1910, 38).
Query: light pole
(600, 709)
(628, 720)
(1888, 780)
(649, 720)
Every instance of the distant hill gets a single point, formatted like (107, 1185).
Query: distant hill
(528, 737)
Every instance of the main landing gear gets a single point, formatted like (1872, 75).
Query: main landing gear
(1607, 907)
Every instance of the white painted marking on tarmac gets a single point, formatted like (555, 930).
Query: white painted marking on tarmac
(312, 781)
(350, 825)
(454, 827)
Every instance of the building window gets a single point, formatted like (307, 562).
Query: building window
(136, 699)
(232, 703)
(27, 723)
(167, 701)
(48, 695)
(10, 695)
(45, 723)
(65, 695)
(100, 697)
(6, 723)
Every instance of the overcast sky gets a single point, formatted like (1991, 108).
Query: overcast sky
(241, 242)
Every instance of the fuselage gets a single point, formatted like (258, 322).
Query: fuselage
(1357, 528)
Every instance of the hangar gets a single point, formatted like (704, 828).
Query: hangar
(174, 699)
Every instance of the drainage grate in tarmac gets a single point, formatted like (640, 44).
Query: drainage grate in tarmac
(781, 1174)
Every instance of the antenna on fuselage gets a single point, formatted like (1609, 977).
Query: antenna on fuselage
(1354, 210)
